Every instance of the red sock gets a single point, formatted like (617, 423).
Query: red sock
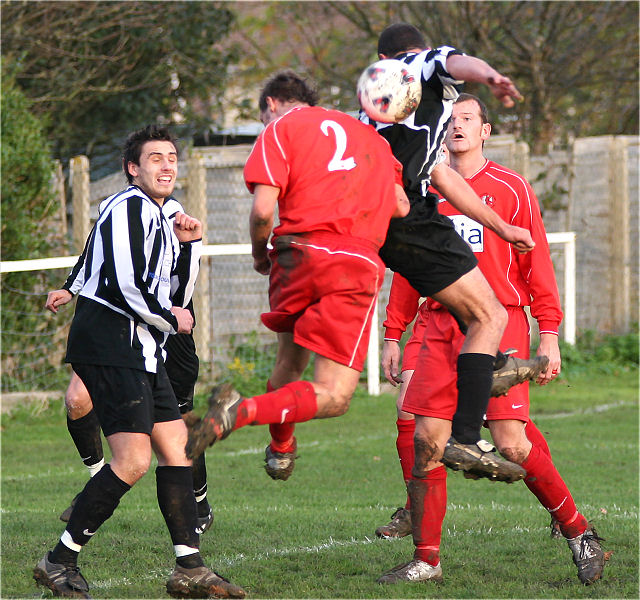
(428, 507)
(281, 433)
(406, 452)
(534, 435)
(548, 487)
(292, 403)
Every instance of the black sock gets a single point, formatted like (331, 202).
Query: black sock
(96, 504)
(200, 485)
(190, 561)
(85, 433)
(62, 555)
(177, 503)
(475, 376)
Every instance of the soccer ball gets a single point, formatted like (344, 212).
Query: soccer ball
(388, 92)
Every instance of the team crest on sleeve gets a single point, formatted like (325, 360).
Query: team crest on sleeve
(488, 199)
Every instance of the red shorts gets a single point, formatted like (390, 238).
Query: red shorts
(432, 391)
(412, 347)
(323, 288)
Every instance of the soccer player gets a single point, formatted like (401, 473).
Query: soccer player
(429, 391)
(336, 185)
(425, 249)
(133, 269)
(181, 364)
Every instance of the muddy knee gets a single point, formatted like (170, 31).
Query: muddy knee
(426, 451)
(515, 454)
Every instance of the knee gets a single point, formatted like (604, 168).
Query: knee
(77, 402)
(514, 452)
(131, 469)
(427, 451)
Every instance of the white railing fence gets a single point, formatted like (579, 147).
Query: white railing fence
(567, 239)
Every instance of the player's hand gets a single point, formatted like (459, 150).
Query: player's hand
(262, 265)
(186, 228)
(390, 361)
(549, 347)
(519, 238)
(504, 90)
(184, 317)
(56, 299)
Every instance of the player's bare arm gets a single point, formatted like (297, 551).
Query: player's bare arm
(402, 210)
(57, 298)
(390, 362)
(261, 224)
(186, 228)
(470, 68)
(459, 193)
(549, 347)
(184, 318)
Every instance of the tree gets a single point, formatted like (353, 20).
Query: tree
(566, 57)
(27, 232)
(97, 70)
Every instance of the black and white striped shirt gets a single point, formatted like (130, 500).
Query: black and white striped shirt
(132, 270)
(416, 141)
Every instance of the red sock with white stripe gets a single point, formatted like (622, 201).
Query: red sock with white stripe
(428, 508)
(292, 403)
(548, 487)
(405, 448)
(281, 433)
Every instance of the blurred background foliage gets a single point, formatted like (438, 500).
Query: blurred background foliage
(93, 71)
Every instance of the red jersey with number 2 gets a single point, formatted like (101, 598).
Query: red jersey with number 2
(335, 174)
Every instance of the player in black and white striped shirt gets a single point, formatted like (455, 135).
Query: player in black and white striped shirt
(182, 366)
(123, 317)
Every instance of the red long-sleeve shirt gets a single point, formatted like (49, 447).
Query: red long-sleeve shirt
(517, 279)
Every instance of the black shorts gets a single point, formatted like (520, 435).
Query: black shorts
(182, 365)
(425, 248)
(129, 400)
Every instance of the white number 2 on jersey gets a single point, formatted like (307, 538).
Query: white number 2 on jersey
(338, 163)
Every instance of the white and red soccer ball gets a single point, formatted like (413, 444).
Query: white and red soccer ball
(388, 92)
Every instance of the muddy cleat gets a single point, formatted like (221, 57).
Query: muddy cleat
(415, 570)
(204, 522)
(279, 465)
(62, 580)
(555, 529)
(218, 423)
(66, 513)
(481, 460)
(399, 526)
(515, 371)
(201, 582)
(588, 555)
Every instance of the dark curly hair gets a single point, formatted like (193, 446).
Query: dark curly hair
(287, 86)
(135, 141)
(398, 38)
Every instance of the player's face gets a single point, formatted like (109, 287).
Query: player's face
(466, 131)
(158, 169)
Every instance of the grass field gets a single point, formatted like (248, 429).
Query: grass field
(312, 536)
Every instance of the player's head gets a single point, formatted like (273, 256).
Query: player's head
(285, 87)
(398, 38)
(150, 161)
(135, 140)
(469, 125)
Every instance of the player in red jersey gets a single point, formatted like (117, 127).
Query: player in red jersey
(428, 388)
(336, 185)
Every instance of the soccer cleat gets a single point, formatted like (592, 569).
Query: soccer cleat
(555, 529)
(66, 513)
(279, 465)
(218, 423)
(415, 570)
(204, 522)
(201, 582)
(515, 371)
(480, 460)
(62, 580)
(399, 526)
(588, 555)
